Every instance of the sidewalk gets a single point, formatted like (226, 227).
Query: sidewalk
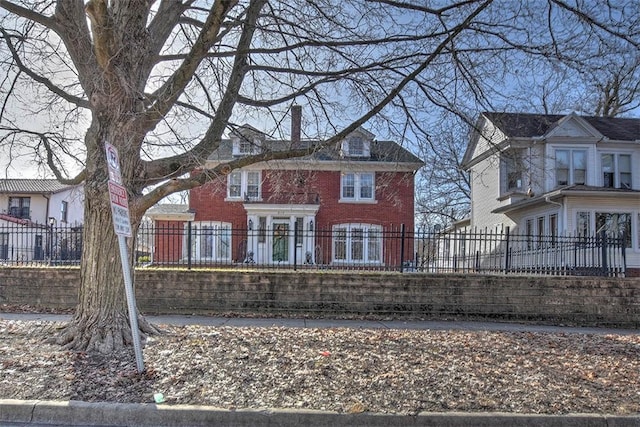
(437, 325)
(75, 413)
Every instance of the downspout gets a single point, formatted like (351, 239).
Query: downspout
(562, 211)
(46, 217)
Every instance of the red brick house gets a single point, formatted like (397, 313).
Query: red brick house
(333, 207)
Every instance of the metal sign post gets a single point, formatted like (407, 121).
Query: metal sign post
(122, 227)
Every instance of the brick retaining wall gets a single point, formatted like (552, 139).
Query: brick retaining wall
(576, 300)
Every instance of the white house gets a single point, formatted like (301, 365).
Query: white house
(30, 211)
(557, 175)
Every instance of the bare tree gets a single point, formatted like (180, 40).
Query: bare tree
(164, 80)
(444, 190)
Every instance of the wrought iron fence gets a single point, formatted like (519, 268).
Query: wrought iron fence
(343, 247)
(504, 252)
(40, 244)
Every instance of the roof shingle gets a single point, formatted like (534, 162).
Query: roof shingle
(31, 186)
(524, 125)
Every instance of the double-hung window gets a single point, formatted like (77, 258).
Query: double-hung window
(514, 167)
(357, 186)
(571, 167)
(243, 185)
(616, 170)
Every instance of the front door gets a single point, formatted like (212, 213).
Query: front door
(280, 241)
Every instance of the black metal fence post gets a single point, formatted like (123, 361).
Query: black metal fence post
(603, 249)
(506, 251)
(402, 235)
(188, 248)
(295, 247)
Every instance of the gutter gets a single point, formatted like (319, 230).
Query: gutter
(548, 200)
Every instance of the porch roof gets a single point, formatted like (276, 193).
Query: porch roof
(572, 190)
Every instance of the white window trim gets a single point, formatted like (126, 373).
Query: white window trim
(244, 183)
(365, 244)
(254, 144)
(366, 147)
(513, 161)
(635, 223)
(535, 233)
(616, 168)
(196, 241)
(572, 168)
(357, 187)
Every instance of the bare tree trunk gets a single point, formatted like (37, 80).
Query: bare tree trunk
(101, 322)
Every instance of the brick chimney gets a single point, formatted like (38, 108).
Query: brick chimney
(296, 119)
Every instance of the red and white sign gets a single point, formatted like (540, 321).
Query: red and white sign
(117, 194)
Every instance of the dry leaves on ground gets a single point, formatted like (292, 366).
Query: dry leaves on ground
(345, 370)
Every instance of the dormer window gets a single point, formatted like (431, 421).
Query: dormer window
(246, 146)
(356, 146)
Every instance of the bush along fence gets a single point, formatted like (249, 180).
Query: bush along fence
(351, 247)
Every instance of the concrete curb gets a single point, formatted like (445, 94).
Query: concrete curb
(76, 413)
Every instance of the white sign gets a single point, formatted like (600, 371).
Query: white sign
(113, 163)
(120, 209)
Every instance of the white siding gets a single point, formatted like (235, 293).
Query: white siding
(44, 207)
(75, 200)
(490, 137)
(485, 191)
(537, 162)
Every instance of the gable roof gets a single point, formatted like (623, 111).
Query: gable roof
(523, 125)
(535, 126)
(31, 186)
